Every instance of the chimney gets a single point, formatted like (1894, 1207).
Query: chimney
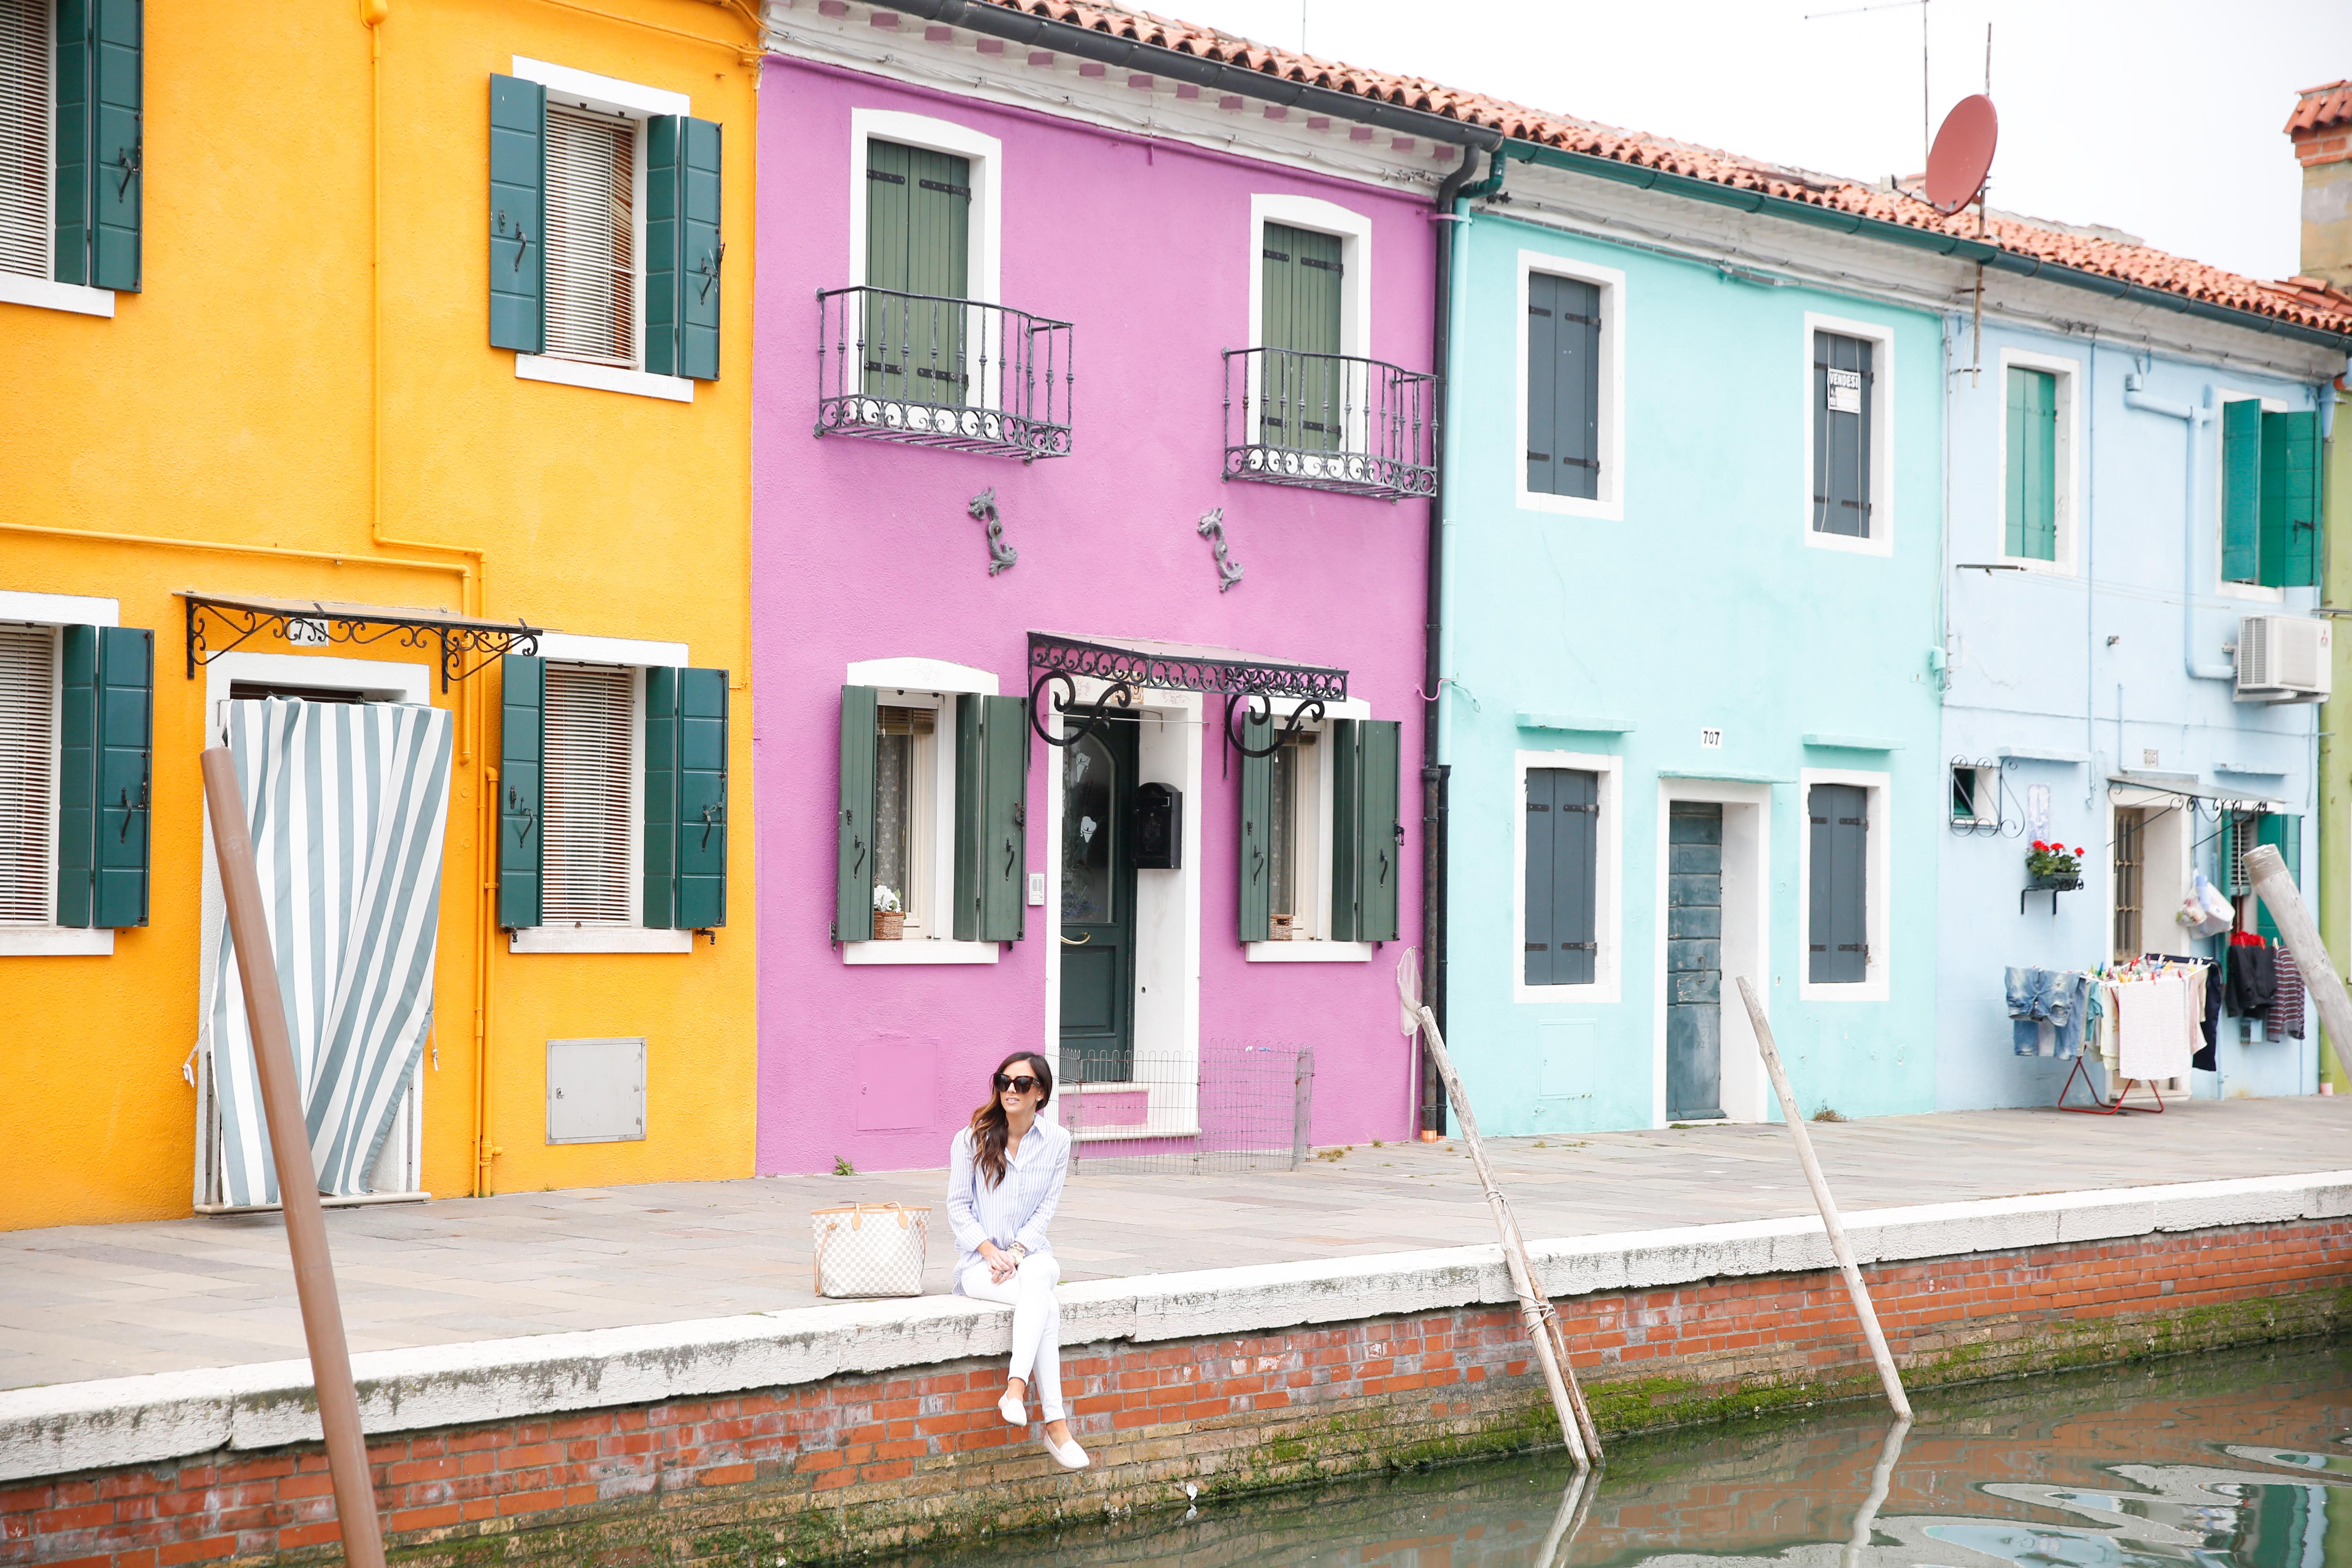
(2321, 127)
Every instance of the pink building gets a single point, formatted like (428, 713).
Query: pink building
(1076, 383)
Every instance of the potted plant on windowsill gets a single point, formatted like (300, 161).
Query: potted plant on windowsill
(889, 915)
(2053, 867)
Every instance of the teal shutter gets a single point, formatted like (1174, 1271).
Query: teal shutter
(105, 776)
(522, 749)
(1563, 452)
(1256, 914)
(2283, 832)
(2290, 500)
(991, 818)
(2032, 508)
(1837, 927)
(75, 155)
(99, 135)
(2242, 483)
(853, 891)
(683, 246)
(686, 799)
(518, 215)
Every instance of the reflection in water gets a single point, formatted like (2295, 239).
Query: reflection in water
(2231, 1461)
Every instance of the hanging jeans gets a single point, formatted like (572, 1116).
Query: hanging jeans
(1036, 1323)
(2057, 997)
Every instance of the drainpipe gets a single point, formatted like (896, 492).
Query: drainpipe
(2194, 417)
(1451, 215)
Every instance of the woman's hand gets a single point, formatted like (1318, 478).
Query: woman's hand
(1001, 1265)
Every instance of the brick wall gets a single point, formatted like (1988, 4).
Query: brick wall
(861, 1461)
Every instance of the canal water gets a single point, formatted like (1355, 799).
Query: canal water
(2241, 1460)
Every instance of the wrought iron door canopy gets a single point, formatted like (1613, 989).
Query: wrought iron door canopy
(1249, 685)
(321, 623)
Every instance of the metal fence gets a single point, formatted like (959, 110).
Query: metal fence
(940, 372)
(1244, 1107)
(1329, 422)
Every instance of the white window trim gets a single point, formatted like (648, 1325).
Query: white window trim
(1607, 984)
(1320, 949)
(1351, 228)
(1877, 887)
(54, 611)
(2069, 373)
(2261, 593)
(928, 681)
(43, 294)
(638, 655)
(1881, 337)
(1609, 505)
(609, 95)
(986, 154)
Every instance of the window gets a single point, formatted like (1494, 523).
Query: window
(905, 771)
(2029, 489)
(1845, 919)
(1321, 837)
(28, 775)
(2130, 881)
(70, 186)
(1974, 801)
(1563, 386)
(2247, 830)
(1297, 894)
(592, 281)
(1842, 400)
(589, 843)
(2270, 495)
(1563, 877)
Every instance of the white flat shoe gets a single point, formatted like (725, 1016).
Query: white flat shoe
(1069, 1456)
(1013, 1411)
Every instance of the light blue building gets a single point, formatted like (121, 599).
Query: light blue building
(2133, 663)
(1691, 529)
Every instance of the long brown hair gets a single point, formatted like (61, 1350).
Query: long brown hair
(988, 1128)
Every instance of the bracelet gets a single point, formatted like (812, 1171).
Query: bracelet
(1018, 1251)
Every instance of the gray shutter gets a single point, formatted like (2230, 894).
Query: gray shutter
(99, 130)
(992, 839)
(1563, 452)
(853, 875)
(518, 214)
(1256, 913)
(1841, 440)
(105, 776)
(683, 246)
(1563, 808)
(1837, 929)
(1364, 862)
(1347, 764)
(522, 767)
(685, 875)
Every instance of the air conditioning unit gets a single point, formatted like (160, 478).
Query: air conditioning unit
(2283, 658)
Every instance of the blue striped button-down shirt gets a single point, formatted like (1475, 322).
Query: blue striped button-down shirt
(1017, 1208)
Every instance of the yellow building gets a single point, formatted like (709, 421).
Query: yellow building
(313, 375)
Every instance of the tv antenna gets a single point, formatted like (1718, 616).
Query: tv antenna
(1924, 145)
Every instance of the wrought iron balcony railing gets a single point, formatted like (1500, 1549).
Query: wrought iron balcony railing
(1329, 422)
(942, 372)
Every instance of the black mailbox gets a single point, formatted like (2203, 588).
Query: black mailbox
(1159, 827)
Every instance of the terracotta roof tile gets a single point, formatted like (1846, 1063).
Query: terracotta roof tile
(2316, 108)
(2323, 309)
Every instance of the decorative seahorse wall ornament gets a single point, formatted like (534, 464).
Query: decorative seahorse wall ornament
(1213, 529)
(1001, 555)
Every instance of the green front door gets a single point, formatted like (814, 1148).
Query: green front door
(1099, 906)
(1305, 397)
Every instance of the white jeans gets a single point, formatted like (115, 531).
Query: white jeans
(1036, 1323)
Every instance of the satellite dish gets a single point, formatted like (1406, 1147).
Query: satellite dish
(1958, 164)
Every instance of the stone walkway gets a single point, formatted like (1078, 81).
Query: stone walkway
(90, 1301)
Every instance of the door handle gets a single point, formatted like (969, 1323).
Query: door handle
(1079, 942)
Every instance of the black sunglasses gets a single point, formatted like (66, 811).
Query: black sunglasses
(1021, 1085)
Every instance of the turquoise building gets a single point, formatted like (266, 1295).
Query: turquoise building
(1692, 535)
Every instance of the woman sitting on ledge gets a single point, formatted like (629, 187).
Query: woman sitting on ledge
(1004, 1181)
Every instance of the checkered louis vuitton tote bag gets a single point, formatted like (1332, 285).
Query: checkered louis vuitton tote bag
(870, 1249)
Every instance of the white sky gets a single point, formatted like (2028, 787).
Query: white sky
(2158, 116)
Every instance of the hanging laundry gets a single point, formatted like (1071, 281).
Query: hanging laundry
(2252, 978)
(2046, 1011)
(2284, 1020)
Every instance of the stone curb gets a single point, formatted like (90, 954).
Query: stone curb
(70, 1427)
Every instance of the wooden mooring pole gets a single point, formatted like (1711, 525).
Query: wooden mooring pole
(1839, 1247)
(298, 1174)
(2267, 869)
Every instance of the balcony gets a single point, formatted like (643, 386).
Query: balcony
(936, 372)
(1328, 422)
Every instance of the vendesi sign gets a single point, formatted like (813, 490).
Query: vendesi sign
(1845, 392)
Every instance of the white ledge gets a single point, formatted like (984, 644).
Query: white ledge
(43, 295)
(599, 939)
(55, 942)
(1306, 952)
(66, 1428)
(602, 377)
(922, 950)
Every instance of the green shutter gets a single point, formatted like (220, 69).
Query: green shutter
(517, 213)
(683, 246)
(686, 799)
(99, 143)
(2031, 509)
(74, 154)
(2242, 442)
(991, 814)
(2290, 500)
(853, 891)
(1256, 918)
(1378, 854)
(1347, 827)
(917, 241)
(105, 776)
(522, 681)
(2283, 832)
(1304, 400)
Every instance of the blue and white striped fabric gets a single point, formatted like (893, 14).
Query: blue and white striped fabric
(1017, 1208)
(348, 804)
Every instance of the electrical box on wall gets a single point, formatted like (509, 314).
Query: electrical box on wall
(595, 1091)
(1158, 836)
